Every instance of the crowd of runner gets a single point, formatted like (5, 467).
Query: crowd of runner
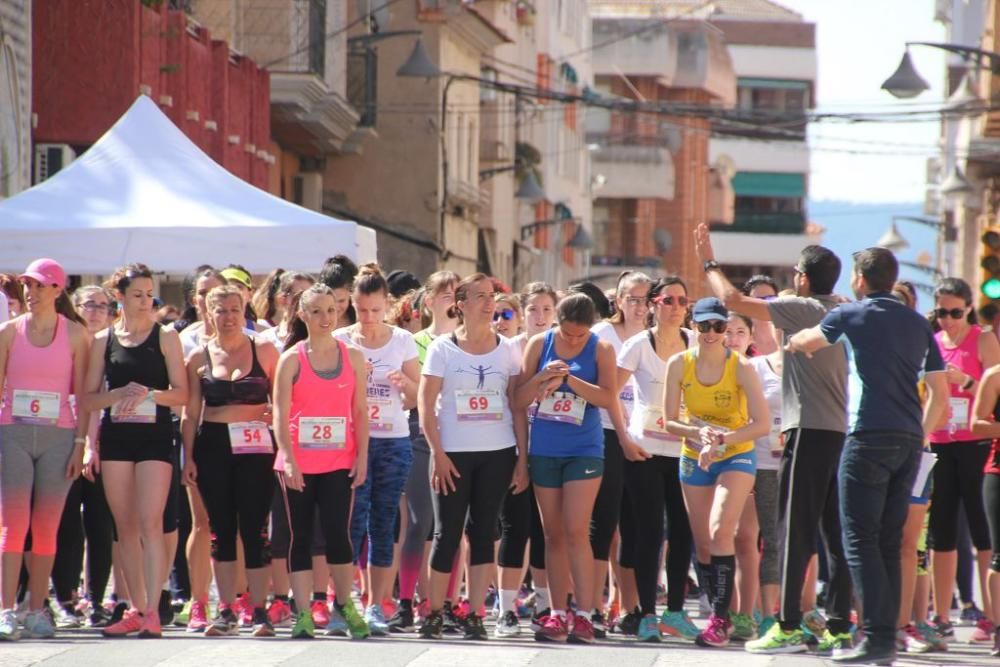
(567, 462)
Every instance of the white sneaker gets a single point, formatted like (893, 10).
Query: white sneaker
(507, 626)
(8, 626)
(908, 639)
(65, 618)
(37, 624)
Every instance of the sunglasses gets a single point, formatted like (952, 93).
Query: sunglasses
(718, 326)
(505, 315)
(954, 313)
(667, 300)
(95, 307)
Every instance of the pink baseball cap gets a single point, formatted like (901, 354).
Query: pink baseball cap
(46, 271)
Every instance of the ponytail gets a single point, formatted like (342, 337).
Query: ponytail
(64, 307)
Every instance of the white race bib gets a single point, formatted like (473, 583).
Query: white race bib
(35, 407)
(322, 432)
(776, 441)
(959, 413)
(144, 413)
(478, 405)
(655, 426)
(250, 438)
(562, 407)
(379, 413)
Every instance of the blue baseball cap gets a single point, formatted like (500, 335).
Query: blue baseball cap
(708, 309)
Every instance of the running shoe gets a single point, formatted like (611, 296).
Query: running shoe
(600, 627)
(422, 610)
(388, 606)
(131, 622)
(38, 625)
(118, 612)
(944, 628)
(376, 620)
(931, 636)
(995, 651)
(971, 614)
(337, 627)
(452, 618)
(833, 644)
(553, 629)
(402, 620)
(765, 624)
(678, 624)
(474, 628)
(198, 616)
(778, 641)
(261, 624)
(492, 596)
(909, 640)
(182, 617)
(582, 631)
(305, 626)
(356, 625)
(151, 628)
(716, 634)
(244, 610)
(225, 623)
(507, 626)
(649, 630)
(433, 626)
(165, 609)
(628, 625)
(280, 613)
(65, 616)
(8, 626)
(538, 620)
(99, 617)
(320, 613)
(813, 623)
(983, 632)
(743, 629)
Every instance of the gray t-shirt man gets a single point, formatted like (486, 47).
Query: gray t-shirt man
(813, 390)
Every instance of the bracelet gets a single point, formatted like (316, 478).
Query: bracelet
(79, 441)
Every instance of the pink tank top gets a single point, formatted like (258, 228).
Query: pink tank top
(321, 418)
(39, 379)
(965, 357)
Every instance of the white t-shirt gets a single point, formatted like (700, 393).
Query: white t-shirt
(606, 331)
(272, 337)
(769, 446)
(647, 423)
(472, 408)
(386, 416)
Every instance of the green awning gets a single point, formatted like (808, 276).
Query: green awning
(783, 84)
(768, 184)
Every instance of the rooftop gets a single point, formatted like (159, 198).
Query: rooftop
(766, 10)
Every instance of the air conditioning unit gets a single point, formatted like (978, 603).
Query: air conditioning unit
(50, 159)
(307, 190)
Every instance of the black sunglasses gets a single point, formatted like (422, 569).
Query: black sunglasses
(718, 326)
(507, 315)
(668, 300)
(954, 313)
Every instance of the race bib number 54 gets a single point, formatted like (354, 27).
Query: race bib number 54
(250, 438)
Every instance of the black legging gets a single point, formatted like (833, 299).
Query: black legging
(958, 477)
(97, 526)
(236, 490)
(654, 487)
(991, 500)
(608, 505)
(329, 494)
(479, 492)
(519, 523)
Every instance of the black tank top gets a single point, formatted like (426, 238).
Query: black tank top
(251, 389)
(143, 363)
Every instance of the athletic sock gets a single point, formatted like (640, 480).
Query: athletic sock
(705, 583)
(508, 601)
(724, 577)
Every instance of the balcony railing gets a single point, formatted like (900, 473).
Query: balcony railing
(290, 35)
(765, 223)
(362, 84)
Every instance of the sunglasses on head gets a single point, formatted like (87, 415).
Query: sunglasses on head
(667, 300)
(506, 315)
(718, 326)
(954, 313)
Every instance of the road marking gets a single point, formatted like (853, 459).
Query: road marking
(471, 655)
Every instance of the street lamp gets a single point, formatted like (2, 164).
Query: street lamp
(955, 183)
(894, 241)
(906, 82)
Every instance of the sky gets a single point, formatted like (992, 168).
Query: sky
(859, 44)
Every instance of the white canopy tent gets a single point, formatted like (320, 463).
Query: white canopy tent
(145, 193)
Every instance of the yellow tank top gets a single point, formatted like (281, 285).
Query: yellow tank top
(723, 404)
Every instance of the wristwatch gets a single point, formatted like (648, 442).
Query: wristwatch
(710, 265)
(967, 385)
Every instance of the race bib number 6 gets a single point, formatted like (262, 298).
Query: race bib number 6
(562, 407)
(322, 432)
(478, 405)
(250, 438)
(35, 407)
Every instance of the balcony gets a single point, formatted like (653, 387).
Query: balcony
(634, 172)
(765, 223)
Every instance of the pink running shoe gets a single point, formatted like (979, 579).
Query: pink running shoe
(388, 607)
(320, 613)
(716, 634)
(151, 625)
(131, 622)
(244, 610)
(983, 632)
(423, 610)
(552, 630)
(280, 614)
(582, 632)
(198, 618)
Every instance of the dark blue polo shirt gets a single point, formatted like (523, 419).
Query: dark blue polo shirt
(890, 347)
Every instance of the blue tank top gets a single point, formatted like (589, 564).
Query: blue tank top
(553, 438)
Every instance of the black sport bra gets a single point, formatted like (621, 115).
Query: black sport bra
(251, 389)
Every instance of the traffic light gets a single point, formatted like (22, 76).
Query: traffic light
(990, 263)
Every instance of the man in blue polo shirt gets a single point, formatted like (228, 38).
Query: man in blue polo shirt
(890, 347)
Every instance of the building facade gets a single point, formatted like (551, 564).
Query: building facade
(15, 96)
